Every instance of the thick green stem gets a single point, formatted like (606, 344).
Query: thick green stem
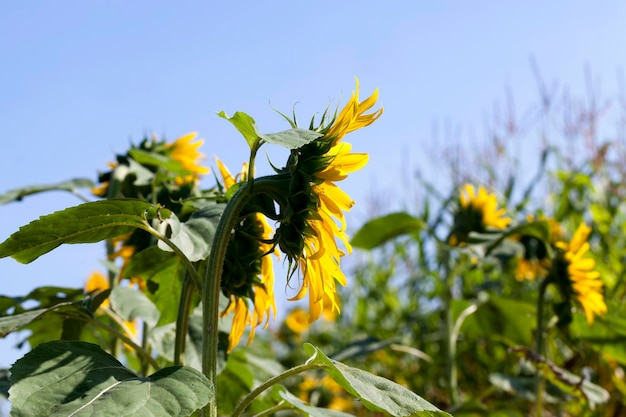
(247, 400)
(211, 290)
(182, 320)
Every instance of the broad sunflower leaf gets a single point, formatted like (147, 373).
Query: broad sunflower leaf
(80, 379)
(290, 138)
(281, 394)
(16, 322)
(163, 273)
(131, 304)
(85, 223)
(376, 393)
(70, 185)
(382, 229)
(194, 237)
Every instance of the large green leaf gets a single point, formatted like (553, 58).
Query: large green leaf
(163, 273)
(70, 185)
(194, 237)
(382, 229)
(80, 379)
(86, 223)
(46, 296)
(131, 304)
(291, 138)
(15, 322)
(376, 393)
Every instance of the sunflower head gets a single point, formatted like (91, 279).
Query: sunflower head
(478, 212)
(575, 274)
(313, 206)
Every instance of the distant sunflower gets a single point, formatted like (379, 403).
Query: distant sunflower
(248, 275)
(314, 207)
(325, 393)
(576, 275)
(535, 262)
(185, 152)
(477, 212)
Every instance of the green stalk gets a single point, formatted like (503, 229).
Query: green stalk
(182, 320)
(450, 339)
(539, 339)
(211, 290)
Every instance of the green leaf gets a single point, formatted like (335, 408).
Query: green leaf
(5, 383)
(80, 379)
(245, 124)
(131, 304)
(86, 223)
(290, 139)
(376, 393)
(502, 318)
(163, 273)
(607, 334)
(281, 394)
(153, 159)
(15, 322)
(19, 193)
(382, 229)
(194, 237)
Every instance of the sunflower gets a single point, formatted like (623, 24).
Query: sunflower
(575, 274)
(535, 262)
(477, 212)
(248, 275)
(313, 211)
(186, 153)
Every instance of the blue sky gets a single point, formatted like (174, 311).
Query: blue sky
(79, 80)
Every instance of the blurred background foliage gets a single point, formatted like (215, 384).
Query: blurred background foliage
(563, 158)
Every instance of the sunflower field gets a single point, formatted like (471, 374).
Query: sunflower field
(496, 293)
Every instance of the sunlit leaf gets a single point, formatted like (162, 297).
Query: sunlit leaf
(194, 236)
(86, 223)
(382, 229)
(376, 393)
(131, 304)
(19, 193)
(15, 322)
(290, 139)
(80, 379)
(154, 159)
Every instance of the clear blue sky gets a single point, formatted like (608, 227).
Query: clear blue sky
(79, 80)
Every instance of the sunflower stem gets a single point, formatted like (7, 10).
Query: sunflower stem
(182, 320)
(211, 291)
(247, 400)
